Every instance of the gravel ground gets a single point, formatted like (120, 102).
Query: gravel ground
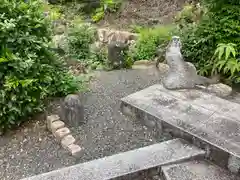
(32, 150)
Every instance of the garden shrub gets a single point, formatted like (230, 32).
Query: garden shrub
(81, 42)
(98, 58)
(105, 6)
(220, 24)
(29, 72)
(190, 14)
(80, 38)
(150, 39)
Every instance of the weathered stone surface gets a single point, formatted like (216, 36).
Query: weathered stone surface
(126, 163)
(109, 35)
(181, 75)
(50, 120)
(143, 64)
(75, 150)
(141, 67)
(208, 121)
(61, 133)
(72, 110)
(67, 140)
(56, 125)
(221, 90)
(234, 164)
(163, 68)
(196, 170)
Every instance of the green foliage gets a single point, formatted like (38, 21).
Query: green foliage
(29, 72)
(96, 8)
(150, 40)
(106, 6)
(80, 37)
(191, 13)
(220, 24)
(226, 61)
(54, 11)
(98, 58)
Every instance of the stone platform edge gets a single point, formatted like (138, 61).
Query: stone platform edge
(214, 153)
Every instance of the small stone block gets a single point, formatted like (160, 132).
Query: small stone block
(67, 140)
(56, 125)
(51, 119)
(75, 150)
(61, 133)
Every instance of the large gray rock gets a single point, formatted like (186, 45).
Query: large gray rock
(220, 89)
(181, 75)
(72, 111)
(109, 35)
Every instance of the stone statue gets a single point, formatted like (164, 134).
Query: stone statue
(72, 110)
(116, 50)
(181, 74)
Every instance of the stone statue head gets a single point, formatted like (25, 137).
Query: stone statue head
(176, 42)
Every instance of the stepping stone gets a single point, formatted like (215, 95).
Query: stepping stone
(210, 122)
(127, 163)
(196, 170)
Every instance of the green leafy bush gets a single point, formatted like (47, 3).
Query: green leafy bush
(220, 24)
(226, 62)
(190, 14)
(106, 6)
(80, 38)
(150, 39)
(29, 72)
(98, 58)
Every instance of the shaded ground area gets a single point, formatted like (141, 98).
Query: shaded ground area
(32, 150)
(144, 12)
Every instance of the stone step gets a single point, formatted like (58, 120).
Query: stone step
(130, 164)
(196, 170)
(209, 122)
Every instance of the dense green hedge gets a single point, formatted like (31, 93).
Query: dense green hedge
(221, 24)
(29, 72)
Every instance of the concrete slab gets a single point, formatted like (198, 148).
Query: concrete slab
(206, 120)
(196, 170)
(127, 163)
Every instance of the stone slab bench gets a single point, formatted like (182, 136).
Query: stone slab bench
(128, 165)
(205, 120)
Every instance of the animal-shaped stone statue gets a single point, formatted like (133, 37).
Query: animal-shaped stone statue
(181, 74)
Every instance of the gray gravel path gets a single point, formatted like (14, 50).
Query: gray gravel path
(32, 150)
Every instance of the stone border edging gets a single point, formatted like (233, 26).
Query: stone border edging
(129, 164)
(63, 135)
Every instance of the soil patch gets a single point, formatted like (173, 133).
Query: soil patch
(143, 12)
